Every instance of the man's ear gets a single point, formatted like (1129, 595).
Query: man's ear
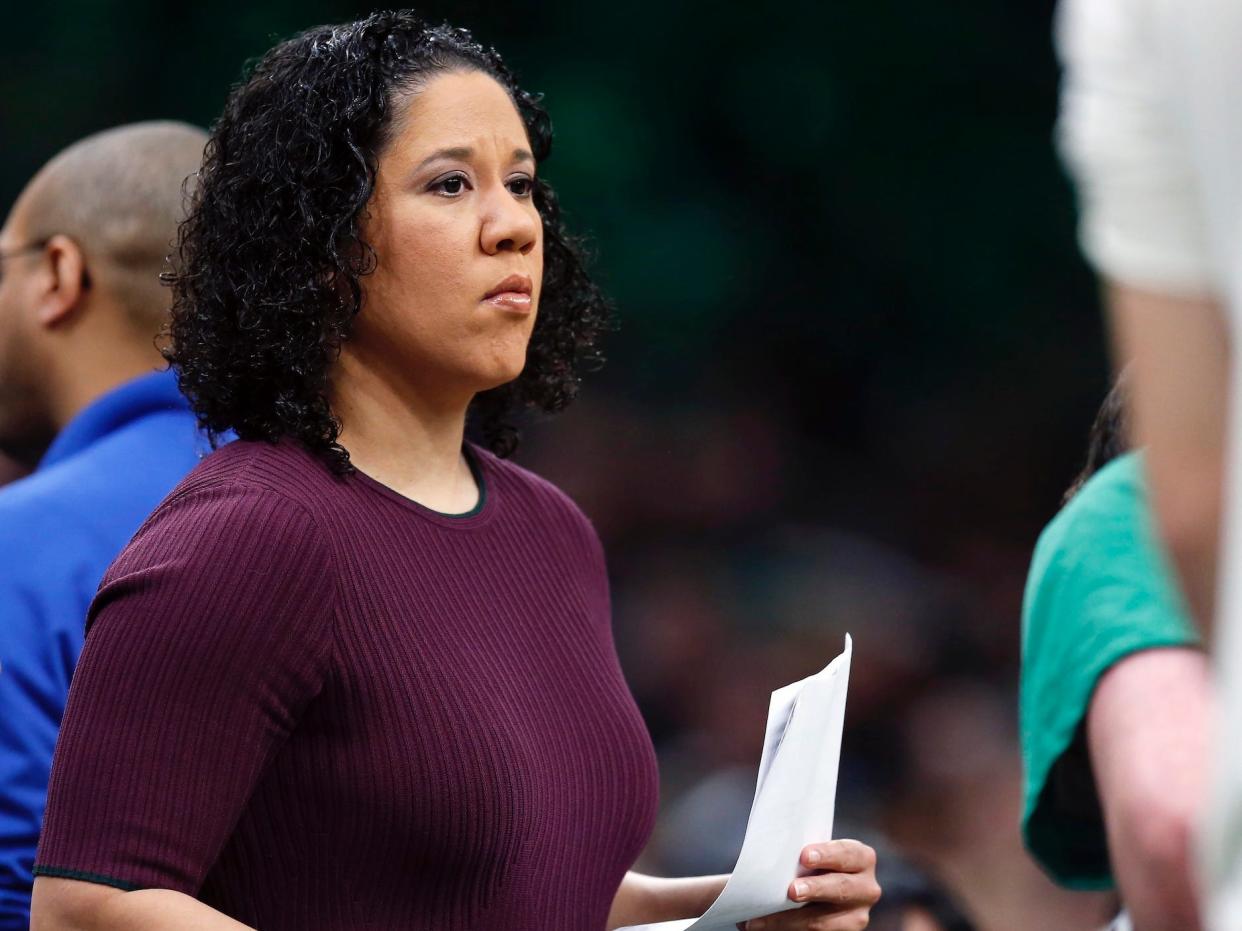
(64, 281)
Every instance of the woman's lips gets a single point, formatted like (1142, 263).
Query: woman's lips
(512, 301)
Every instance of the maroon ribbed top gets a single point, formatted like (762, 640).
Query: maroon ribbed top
(316, 704)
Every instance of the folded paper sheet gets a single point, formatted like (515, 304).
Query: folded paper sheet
(795, 796)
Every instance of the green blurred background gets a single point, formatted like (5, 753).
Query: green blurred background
(857, 357)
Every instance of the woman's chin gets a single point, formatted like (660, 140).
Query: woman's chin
(499, 375)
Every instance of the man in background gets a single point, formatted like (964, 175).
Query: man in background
(84, 403)
(1151, 127)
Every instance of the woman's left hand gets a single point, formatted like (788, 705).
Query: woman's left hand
(841, 892)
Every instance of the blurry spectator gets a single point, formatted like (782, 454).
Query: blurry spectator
(82, 402)
(710, 617)
(914, 901)
(1114, 706)
(1152, 132)
(1151, 125)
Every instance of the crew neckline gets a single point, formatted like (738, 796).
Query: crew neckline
(481, 512)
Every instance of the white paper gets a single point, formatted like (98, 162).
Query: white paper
(795, 796)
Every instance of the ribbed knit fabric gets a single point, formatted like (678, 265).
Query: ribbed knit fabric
(315, 704)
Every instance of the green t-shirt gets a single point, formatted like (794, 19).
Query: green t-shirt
(1099, 589)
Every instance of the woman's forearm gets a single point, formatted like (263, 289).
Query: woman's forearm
(643, 899)
(164, 910)
(71, 905)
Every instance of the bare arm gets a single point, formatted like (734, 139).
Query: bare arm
(70, 905)
(643, 899)
(1147, 734)
(838, 893)
(1178, 352)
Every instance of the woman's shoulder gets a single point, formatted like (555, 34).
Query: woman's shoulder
(224, 555)
(532, 499)
(285, 467)
(516, 482)
(244, 496)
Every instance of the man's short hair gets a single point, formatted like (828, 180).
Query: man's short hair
(120, 194)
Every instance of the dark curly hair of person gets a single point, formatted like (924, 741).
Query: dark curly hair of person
(268, 262)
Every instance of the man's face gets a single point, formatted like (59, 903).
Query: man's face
(25, 428)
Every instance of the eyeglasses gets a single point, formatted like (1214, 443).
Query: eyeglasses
(22, 250)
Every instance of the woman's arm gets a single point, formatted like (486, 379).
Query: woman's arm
(71, 905)
(644, 899)
(189, 682)
(838, 894)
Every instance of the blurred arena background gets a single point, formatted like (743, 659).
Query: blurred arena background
(857, 358)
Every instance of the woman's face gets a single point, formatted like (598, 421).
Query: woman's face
(450, 306)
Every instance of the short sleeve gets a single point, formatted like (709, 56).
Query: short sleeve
(1122, 136)
(1099, 590)
(209, 636)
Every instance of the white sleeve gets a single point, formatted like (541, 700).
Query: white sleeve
(1124, 138)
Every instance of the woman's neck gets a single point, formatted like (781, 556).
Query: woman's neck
(404, 440)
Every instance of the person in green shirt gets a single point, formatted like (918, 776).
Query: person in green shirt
(1114, 697)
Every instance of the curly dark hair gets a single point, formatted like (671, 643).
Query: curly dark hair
(267, 268)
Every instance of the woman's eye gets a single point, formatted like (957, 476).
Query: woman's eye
(522, 187)
(451, 186)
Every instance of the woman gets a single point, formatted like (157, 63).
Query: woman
(1114, 695)
(354, 672)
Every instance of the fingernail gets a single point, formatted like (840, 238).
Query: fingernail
(799, 889)
(813, 856)
(757, 924)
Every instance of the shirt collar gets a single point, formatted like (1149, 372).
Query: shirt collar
(113, 410)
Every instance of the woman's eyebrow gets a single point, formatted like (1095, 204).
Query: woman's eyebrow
(464, 153)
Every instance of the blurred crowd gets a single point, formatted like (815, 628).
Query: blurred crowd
(725, 591)
(853, 418)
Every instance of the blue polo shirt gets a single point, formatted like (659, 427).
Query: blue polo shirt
(60, 528)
